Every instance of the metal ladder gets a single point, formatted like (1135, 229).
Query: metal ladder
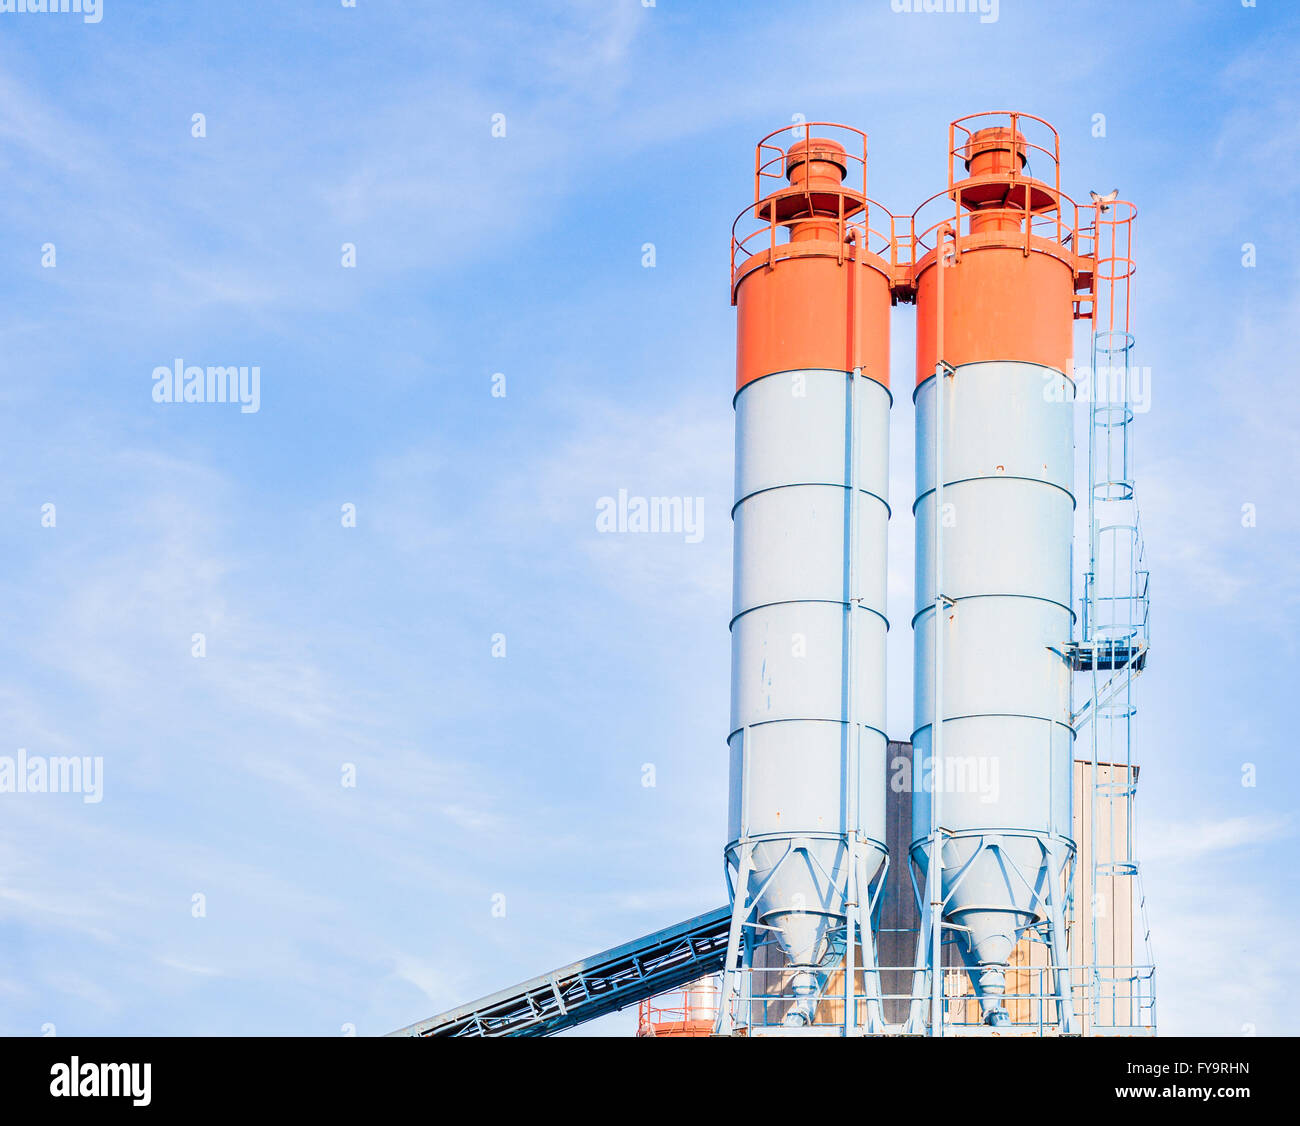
(1116, 629)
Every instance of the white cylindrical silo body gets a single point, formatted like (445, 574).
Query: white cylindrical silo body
(1004, 772)
(808, 646)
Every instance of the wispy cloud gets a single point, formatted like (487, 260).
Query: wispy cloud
(1187, 841)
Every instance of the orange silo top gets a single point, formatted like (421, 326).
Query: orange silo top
(1015, 276)
(810, 277)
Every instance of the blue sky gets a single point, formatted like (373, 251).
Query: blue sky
(371, 906)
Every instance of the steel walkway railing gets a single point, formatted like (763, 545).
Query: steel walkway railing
(593, 987)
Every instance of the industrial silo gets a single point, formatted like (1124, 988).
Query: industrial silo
(807, 740)
(996, 282)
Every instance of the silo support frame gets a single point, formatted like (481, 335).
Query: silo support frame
(1050, 900)
(859, 927)
(743, 905)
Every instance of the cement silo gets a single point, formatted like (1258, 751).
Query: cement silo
(807, 741)
(1000, 264)
(996, 282)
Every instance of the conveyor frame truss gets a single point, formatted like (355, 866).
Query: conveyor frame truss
(593, 987)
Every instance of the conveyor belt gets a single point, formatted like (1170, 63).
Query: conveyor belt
(593, 987)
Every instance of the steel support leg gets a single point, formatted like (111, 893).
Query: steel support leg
(924, 947)
(739, 917)
(1060, 956)
(870, 963)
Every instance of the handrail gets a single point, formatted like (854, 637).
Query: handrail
(882, 244)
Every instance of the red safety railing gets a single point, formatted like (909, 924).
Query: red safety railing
(761, 226)
(692, 1011)
(1033, 212)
